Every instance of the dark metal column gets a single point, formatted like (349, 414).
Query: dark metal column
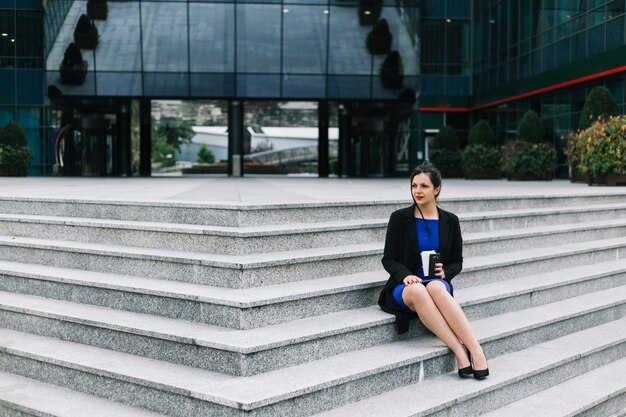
(345, 125)
(322, 147)
(235, 139)
(123, 140)
(145, 138)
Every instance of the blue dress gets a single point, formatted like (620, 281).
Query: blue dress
(428, 239)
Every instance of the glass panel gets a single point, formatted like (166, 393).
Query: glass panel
(433, 85)
(596, 17)
(304, 86)
(457, 42)
(164, 31)
(579, 46)
(7, 39)
(615, 33)
(433, 32)
(258, 38)
(258, 85)
(458, 8)
(304, 39)
(457, 86)
(212, 85)
(433, 8)
(347, 54)
(614, 8)
(6, 113)
(212, 37)
(548, 57)
(562, 52)
(166, 84)
(616, 87)
(7, 81)
(342, 86)
(596, 40)
(119, 48)
(29, 87)
(29, 36)
(118, 83)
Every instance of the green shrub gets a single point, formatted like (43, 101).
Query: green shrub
(15, 156)
(482, 134)
(205, 155)
(530, 128)
(599, 103)
(446, 138)
(481, 161)
(529, 159)
(602, 147)
(448, 161)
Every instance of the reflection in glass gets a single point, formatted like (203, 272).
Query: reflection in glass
(258, 38)
(304, 39)
(164, 34)
(119, 48)
(212, 37)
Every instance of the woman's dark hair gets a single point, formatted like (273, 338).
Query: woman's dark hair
(430, 170)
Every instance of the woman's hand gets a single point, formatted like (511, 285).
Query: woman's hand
(439, 271)
(411, 279)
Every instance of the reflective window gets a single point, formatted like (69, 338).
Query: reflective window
(305, 39)
(164, 34)
(258, 38)
(212, 37)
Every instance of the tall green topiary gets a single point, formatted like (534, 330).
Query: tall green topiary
(12, 135)
(530, 129)
(482, 134)
(445, 152)
(15, 156)
(446, 138)
(599, 103)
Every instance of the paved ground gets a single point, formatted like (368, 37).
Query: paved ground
(269, 189)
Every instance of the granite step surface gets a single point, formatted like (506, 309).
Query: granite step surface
(25, 397)
(262, 306)
(214, 348)
(521, 218)
(197, 238)
(298, 236)
(309, 388)
(280, 267)
(513, 376)
(242, 214)
(600, 392)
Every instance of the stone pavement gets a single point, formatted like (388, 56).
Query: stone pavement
(274, 189)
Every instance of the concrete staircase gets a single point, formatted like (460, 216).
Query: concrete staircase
(145, 309)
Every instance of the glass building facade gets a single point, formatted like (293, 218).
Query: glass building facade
(460, 61)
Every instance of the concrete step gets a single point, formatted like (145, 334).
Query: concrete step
(600, 392)
(22, 397)
(241, 214)
(521, 218)
(227, 307)
(533, 226)
(229, 215)
(485, 243)
(313, 386)
(262, 306)
(197, 238)
(279, 267)
(396, 360)
(513, 376)
(214, 348)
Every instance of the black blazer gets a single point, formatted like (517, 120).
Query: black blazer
(401, 255)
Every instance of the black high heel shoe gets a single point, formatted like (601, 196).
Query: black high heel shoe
(480, 374)
(468, 371)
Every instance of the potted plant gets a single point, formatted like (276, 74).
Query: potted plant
(73, 68)
(529, 158)
(86, 33)
(369, 11)
(599, 103)
(481, 157)
(15, 156)
(379, 39)
(602, 150)
(97, 9)
(445, 152)
(392, 71)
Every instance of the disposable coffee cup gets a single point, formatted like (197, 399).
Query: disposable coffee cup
(426, 261)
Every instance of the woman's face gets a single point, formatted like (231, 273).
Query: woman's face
(422, 190)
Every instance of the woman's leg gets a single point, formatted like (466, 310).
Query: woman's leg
(417, 298)
(456, 320)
